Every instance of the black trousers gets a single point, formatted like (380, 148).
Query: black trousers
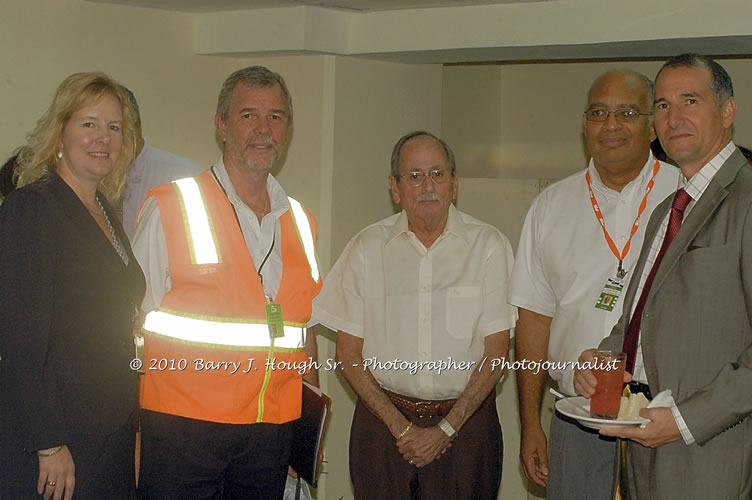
(183, 458)
(104, 466)
(470, 469)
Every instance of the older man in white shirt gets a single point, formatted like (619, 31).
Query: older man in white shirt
(419, 303)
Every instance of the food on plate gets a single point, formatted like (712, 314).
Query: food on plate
(631, 406)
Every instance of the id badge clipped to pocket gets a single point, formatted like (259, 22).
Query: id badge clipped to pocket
(274, 320)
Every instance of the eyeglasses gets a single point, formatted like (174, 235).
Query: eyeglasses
(415, 177)
(626, 115)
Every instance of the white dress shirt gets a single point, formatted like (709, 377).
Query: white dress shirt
(563, 260)
(694, 188)
(151, 167)
(413, 304)
(150, 245)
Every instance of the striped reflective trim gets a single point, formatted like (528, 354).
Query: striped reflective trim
(201, 239)
(306, 236)
(212, 331)
(264, 385)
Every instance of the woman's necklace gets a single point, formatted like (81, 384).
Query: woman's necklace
(115, 240)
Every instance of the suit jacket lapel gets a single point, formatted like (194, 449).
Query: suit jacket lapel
(704, 208)
(75, 210)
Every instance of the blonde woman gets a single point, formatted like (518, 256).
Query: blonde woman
(69, 287)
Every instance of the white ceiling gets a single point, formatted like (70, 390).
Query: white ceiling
(353, 5)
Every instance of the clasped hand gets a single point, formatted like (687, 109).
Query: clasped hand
(422, 445)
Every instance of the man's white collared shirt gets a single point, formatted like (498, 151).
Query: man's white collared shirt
(418, 307)
(563, 260)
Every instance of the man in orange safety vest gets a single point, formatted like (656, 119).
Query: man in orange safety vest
(231, 270)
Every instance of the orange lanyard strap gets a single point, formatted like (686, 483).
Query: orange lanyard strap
(620, 272)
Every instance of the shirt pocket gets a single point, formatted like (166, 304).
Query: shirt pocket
(463, 306)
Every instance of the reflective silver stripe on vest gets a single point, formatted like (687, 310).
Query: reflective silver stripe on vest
(306, 236)
(200, 234)
(221, 333)
(198, 228)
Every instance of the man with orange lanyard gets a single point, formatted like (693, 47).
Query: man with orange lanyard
(231, 273)
(580, 241)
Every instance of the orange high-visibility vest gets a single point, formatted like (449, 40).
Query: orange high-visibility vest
(208, 351)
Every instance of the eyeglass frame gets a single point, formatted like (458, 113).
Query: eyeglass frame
(428, 174)
(616, 112)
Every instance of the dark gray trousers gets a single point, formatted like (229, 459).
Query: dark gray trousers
(581, 463)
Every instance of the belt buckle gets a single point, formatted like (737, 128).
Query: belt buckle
(423, 413)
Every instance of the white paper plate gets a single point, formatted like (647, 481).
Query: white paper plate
(578, 408)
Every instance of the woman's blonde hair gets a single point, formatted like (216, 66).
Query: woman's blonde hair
(75, 92)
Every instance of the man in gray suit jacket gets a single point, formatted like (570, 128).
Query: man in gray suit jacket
(695, 334)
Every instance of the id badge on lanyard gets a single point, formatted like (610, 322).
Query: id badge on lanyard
(614, 286)
(610, 294)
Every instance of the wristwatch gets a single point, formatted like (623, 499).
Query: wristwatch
(445, 426)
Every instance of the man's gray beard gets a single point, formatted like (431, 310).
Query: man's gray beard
(252, 165)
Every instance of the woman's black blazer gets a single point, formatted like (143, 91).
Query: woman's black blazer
(67, 304)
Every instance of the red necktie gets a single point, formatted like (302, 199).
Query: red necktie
(681, 200)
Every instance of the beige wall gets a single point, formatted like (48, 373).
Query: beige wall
(148, 50)
(376, 103)
(534, 128)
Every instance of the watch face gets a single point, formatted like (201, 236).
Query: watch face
(448, 429)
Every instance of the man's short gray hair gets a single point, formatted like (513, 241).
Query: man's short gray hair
(254, 77)
(722, 86)
(397, 150)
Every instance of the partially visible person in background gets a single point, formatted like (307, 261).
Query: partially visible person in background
(69, 288)
(7, 171)
(746, 152)
(659, 153)
(151, 167)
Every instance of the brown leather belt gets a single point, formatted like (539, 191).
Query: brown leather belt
(423, 409)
